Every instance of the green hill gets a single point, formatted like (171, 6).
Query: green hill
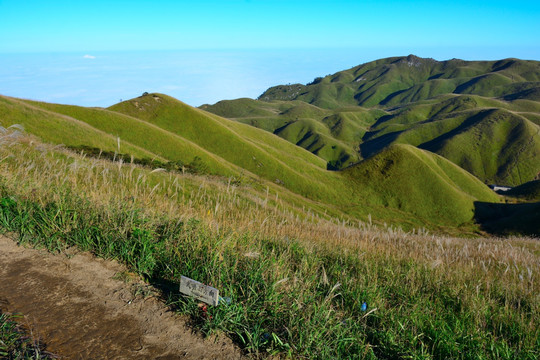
(496, 145)
(249, 148)
(419, 182)
(58, 128)
(482, 115)
(161, 127)
(399, 80)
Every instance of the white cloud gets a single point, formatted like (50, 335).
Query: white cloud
(89, 56)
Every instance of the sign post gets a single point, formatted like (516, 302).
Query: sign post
(199, 291)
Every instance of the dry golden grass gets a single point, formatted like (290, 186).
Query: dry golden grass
(37, 168)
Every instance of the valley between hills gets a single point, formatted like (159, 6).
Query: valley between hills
(360, 200)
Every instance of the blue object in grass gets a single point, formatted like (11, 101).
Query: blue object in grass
(364, 307)
(227, 300)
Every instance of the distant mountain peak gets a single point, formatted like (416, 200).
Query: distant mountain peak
(405, 79)
(416, 61)
(355, 113)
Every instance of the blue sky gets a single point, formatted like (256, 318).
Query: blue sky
(203, 51)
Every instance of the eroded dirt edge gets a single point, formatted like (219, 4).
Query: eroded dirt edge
(81, 309)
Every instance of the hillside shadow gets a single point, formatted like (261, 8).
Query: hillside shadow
(435, 76)
(371, 147)
(436, 143)
(389, 98)
(508, 219)
(377, 123)
(528, 94)
(464, 87)
(503, 65)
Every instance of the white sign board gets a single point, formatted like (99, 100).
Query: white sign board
(199, 291)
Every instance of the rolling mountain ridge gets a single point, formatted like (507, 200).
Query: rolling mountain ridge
(482, 115)
(164, 128)
(410, 164)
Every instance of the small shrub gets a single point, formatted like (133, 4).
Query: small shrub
(198, 166)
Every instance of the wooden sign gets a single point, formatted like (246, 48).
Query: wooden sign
(199, 291)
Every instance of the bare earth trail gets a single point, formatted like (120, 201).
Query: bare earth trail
(80, 311)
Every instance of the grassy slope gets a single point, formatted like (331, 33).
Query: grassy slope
(424, 102)
(297, 288)
(262, 157)
(171, 146)
(173, 130)
(240, 144)
(332, 135)
(420, 182)
(132, 130)
(250, 148)
(496, 145)
(503, 148)
(399, 80)
(46, 125)
(461, 128)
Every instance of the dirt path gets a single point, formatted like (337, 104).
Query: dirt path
(74, 304)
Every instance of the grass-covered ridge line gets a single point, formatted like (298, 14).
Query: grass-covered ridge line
(46, 125)
(399, 80)
(171, 133)
(162, 144)
(297, 283)
(496, 145)
(487, 110)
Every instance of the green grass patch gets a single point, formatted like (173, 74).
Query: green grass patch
(419, 182)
